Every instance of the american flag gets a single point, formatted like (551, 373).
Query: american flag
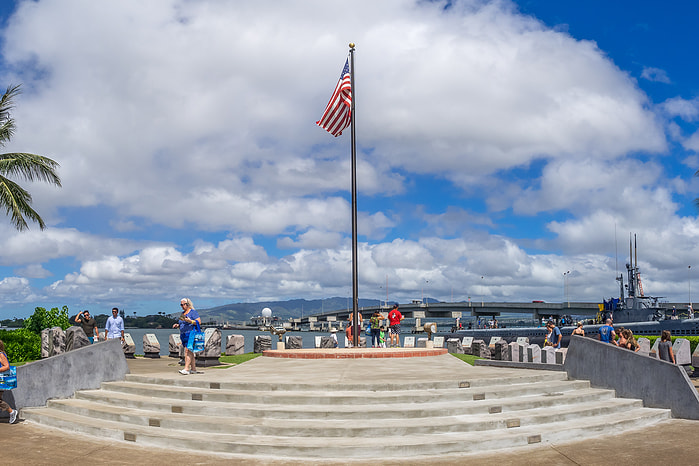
(338, 114)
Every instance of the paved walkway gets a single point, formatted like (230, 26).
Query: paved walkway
(26, 443)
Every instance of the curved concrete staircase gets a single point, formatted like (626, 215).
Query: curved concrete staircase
(352, 421)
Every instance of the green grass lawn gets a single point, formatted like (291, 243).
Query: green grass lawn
(468, 358)
(239, 358)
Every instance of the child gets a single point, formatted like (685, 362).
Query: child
(382, 337)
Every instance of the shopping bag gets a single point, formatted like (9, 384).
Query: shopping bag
(195, 342)
(8, 379)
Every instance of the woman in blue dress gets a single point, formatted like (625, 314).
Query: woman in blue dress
(187, 324)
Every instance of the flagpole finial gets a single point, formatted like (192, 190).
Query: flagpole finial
(351, 45)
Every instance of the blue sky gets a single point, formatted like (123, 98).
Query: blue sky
(501, 144)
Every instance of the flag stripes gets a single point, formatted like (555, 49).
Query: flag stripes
(338, 113)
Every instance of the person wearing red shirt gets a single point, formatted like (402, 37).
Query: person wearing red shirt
(394, 318)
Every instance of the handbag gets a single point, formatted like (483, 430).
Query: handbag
(8, 379)
(195, 342)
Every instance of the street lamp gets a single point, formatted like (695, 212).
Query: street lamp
(689, 285)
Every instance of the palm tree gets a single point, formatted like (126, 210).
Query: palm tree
(16, 200)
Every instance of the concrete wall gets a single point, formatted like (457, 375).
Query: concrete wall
(60, 376)
(658, 383)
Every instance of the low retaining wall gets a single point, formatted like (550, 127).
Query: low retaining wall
(659, 384)
(61, 375)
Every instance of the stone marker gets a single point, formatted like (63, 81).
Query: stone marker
(695, 359)
(534, 354)
(644, 343)
(654, 349)
(294, 342)
(494, 340)
(561, 355)
(422, 342)
(480, 349)
(57, 341)
(45, 343)
(523, 352)
(514, 351)
(262, 343)
(129, 346)
(454, 346)
(174, 344)
(151, 346)
(76, 338)
(317, 341)
(362, 342)
(212, 348)
(548, 355)
(523, 340)
(501, 350)
(409, 342)
(327, 342)
(438, 342)
(466, 343)
(682, 352)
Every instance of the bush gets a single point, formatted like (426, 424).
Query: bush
(42, 319)
(21, 345)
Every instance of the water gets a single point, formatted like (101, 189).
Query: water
(163, 336)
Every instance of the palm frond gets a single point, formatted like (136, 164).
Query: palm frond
(30, 167)
(17, 202)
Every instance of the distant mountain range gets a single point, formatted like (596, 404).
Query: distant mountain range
(283, 309)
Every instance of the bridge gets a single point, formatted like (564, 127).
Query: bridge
(427, 311)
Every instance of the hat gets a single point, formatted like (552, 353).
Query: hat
(333, 330)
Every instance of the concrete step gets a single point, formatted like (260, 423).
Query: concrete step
(313, 448)
(441, 405)
(338, 397)
(312, 422)
(375, 426)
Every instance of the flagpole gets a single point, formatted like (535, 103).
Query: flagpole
(355, 279)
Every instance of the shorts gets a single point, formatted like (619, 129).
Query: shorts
(394, 329)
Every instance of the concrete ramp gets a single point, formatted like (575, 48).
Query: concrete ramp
(358, 410)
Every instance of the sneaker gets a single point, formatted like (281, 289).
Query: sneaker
(13, 416)
(184, 372)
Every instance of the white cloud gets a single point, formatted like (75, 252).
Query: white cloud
(655, 74)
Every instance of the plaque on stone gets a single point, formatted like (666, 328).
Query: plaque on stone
(454, 346)
(129, 346)
(76, 338)
(501, 350)
(548, 355)
(466, 343)
(235, 344)
(362, 342)
(317, 341)
(523, 340)
(212, 343)
(682, 352)
(262, 343)
(409, 342)
(174, 344)
(422, 342)
(45, 343)
(151, 346)
(493, 340)
(438, 342)
(514, 351)
(57, 341)
(294, 342)
(534, 353)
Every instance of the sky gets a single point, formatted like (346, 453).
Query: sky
(506, 150)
